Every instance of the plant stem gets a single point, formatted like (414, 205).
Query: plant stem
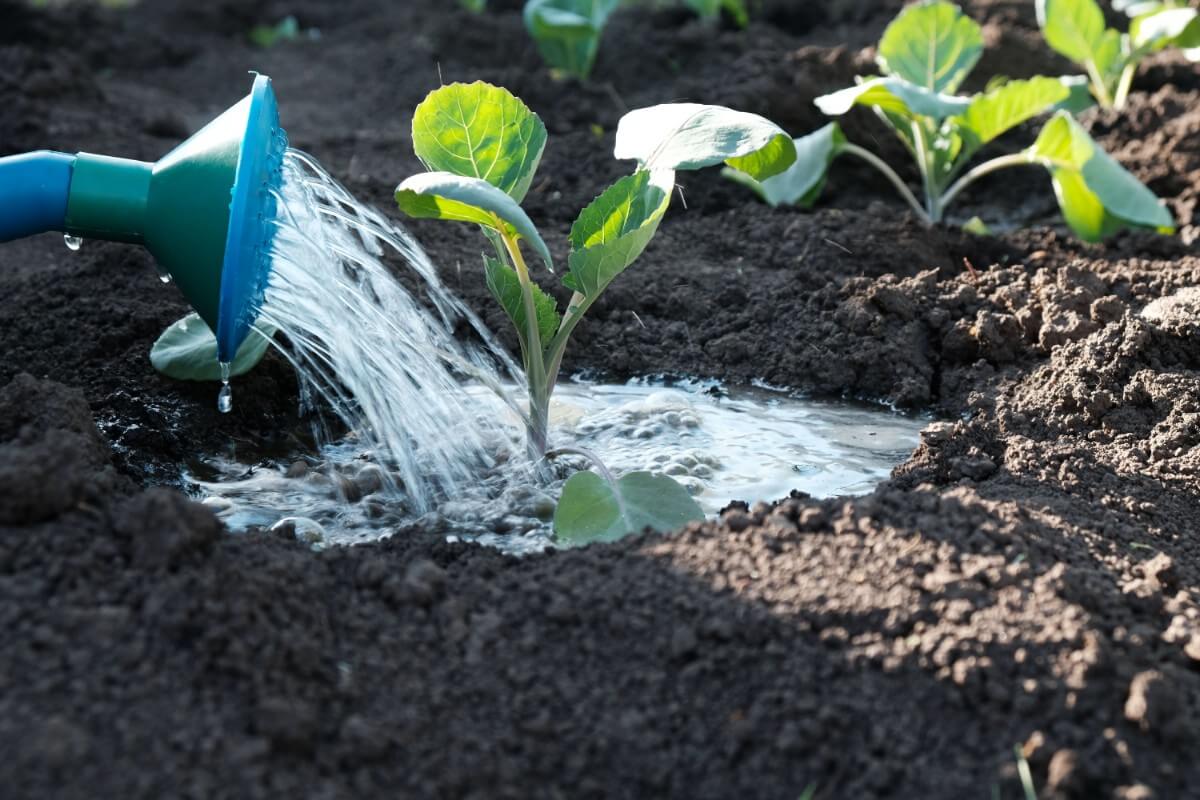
(1126, 83)
(879, 164)
(558, 345)
(927, 179)
(986, 168)
(535, 366)
(1099, 87)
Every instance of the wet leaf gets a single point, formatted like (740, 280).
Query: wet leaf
(687, 136)
(615, 228)
(593, 510)
(505, 286)
(442, 195)
(187, 351)
(477, 130)
(894, 96)
(932, 45)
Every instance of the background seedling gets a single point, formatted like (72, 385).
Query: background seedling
(925, 54)
(568, 32)
(1077, 29)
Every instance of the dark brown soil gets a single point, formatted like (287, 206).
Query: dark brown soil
(1030, 577)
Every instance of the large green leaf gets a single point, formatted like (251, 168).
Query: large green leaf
(685, 136)
(187, 351)
(994, 112)
(505, 286)
(593, 510)
(933, 45)
(894, 96)
(443, 195)
(615, 228)
(1085, 175)
(568, 32)
(800, 184)
(1076, 28)
(477, 130)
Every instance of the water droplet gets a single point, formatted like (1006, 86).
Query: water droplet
(163, 275)
(72, 242)
(225, 398)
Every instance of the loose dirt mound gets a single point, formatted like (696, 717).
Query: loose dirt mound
(1028, 578)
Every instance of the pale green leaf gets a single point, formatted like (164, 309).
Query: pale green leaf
(477, 130)
(687, 136)
(1073, 156)
(1079, 94)
(187, 351)
(999, 110)
(1165, 28)
(593, 510)
(505, 286)
(616, 227)
(568, 32)
(800, 184)
(442, 195)
(894, 96)
(1075, 28)
(931, 44)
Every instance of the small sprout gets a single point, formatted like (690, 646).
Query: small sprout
(474, 6)
(925, 54)
(711, 10)
(567, 32)
(483, 145)
(1077, 29)
(187, 351)
(267, 36)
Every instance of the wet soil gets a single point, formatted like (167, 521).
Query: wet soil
(1028, 578)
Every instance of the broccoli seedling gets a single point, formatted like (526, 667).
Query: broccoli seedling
(482, 147)
(567, 32)
(1077, 30)
(925, 54)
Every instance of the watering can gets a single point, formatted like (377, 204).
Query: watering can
(204, 210)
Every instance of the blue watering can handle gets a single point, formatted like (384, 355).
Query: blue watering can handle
(33, 193)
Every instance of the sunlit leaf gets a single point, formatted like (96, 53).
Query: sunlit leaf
(477, 130)
(505, 286)
(894, 96)
(932, 45)
(568, 32)
(801, 183)
(993, 113)
(187, 351)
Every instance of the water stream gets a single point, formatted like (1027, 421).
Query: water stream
(434, 418)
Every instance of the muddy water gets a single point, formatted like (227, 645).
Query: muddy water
(722, 444)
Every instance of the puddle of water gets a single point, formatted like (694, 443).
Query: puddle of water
(723, 444)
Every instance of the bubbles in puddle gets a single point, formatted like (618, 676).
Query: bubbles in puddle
(723, 445)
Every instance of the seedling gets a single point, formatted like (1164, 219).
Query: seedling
(568, 32)
(482, 146)
(925, 54)
(711, 9)
(1077, 30)
(474, 6)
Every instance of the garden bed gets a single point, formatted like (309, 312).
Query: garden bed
(1029, 577)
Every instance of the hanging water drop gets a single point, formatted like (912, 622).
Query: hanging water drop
(72, 242)
(225, 398)
(163, 275)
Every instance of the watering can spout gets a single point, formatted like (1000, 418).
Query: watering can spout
(205, 211)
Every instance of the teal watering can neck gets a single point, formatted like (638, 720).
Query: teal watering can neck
(109, 199)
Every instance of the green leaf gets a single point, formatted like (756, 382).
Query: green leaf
(686, 136)
(187, 351)
(893, 96)
(505, 286)
(1089, 181)
(1079, 94)
(474, 6)
(1164, 28)
(1076, 29)
(442, 195)
(477, 130)
(593, 510)
(933, 45)
(995, 112)
(616, 227)
(802, 183)
(1136, 8)
(267, 36)
(568, 32)
(711, 9)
